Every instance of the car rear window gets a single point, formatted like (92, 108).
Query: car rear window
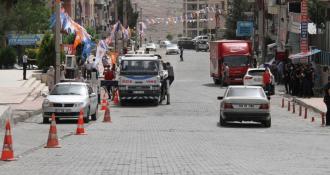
(256, 72)
(245, 92)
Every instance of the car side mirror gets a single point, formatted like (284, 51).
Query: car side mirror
(44, 94)
(220, 98)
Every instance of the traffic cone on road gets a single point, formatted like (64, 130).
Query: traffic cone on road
(107, 117)
(104, 104)
(7, 150)
(116, 99)
(52, 137)
(80, 127)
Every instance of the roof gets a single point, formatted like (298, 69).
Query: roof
(260, 68)
(251, 87)
(73, 83)
(139, 57)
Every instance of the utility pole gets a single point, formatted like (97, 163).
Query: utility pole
(125, 21)
(141, 26)
(57, 41)
(261, 30)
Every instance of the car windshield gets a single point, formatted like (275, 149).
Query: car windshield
(245, 92)
(69, 89)
(140, 67)
(256, 72)
(171, 45)
(236, 60)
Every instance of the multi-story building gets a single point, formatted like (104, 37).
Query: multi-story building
(200, 16)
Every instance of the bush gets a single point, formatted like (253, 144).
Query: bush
(7, 57)
(32, 53)
(46, 54)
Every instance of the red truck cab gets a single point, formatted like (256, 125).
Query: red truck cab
(237, 54)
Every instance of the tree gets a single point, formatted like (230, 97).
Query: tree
(131, 15)
(235, 13)
(169, 37)
(46, 54)
(316, 12)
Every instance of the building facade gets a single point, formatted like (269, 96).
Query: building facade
(201, 18)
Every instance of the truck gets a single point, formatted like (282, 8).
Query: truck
(139, 78)
(236, 54)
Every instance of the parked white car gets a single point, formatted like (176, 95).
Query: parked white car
(245, 103)
(151, 47)
(253, 77)
(164, 44)
(172, 48)
(67, 99)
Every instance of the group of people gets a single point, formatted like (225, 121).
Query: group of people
(298, 79)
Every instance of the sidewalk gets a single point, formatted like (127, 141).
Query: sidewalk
(315, 103)
(19, 99)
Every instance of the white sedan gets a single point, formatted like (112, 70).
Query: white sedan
(245, 103)
(67, 99)
(253, 77)
(151, 47)
(172, 48)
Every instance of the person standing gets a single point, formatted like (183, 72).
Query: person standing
(326, 100)
(25, 62)
(266, 81)
(181, 53)
(225, 74)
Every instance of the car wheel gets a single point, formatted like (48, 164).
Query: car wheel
(94, 116)
(45, 120)
(222, 121)
(267, 123)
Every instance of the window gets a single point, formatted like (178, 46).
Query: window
(245, 92)
(233, 61)
(256, 72)
(69, 89)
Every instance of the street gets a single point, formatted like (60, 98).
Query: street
(181, 138)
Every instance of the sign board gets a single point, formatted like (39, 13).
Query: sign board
(304, 26)
(25, 39)
(68, 49)
(244, 28)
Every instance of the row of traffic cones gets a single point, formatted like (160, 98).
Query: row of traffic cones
(300, 111)
(52, 141)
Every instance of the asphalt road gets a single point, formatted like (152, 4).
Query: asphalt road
(181, 138)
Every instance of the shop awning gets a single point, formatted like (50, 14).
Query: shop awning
(304, 55)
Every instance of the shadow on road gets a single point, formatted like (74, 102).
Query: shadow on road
(242, 125)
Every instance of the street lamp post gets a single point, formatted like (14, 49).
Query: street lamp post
(57, 41)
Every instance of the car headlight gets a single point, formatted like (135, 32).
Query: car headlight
(79, 104)
(47, 103)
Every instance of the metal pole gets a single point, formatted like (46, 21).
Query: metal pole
(141, 19)
(124, 21)
(57, 41)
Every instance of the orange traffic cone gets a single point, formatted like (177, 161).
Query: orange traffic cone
(116, 99)
(52, 137)
(107, 117)
(104, 104)
(7, 150)
(80, 127)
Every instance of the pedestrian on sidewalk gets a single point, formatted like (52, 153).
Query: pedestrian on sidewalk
(25, 62)
(326, 100)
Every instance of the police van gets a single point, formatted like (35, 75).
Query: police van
(140, 77)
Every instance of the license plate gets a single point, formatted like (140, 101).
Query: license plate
(246, 106)
(138, 92)
(62, 110)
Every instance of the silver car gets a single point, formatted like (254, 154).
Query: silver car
(245, 103)
(67, 99)
(172, 48)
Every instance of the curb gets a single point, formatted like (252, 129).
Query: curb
(298, 101)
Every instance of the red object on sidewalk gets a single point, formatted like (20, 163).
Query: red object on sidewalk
(80, 127)
(305, 117)
(7, 150)
(52, 137)
(289, 105)
(107, 117)
(293, 107)
(300, 110)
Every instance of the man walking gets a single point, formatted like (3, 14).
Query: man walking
(181, 53)
(25, 62)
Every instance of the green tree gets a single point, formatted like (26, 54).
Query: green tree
(235, 13)
(169, 37)
(7, 57)
(131, 15)
(317, 10)
(46, 54)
